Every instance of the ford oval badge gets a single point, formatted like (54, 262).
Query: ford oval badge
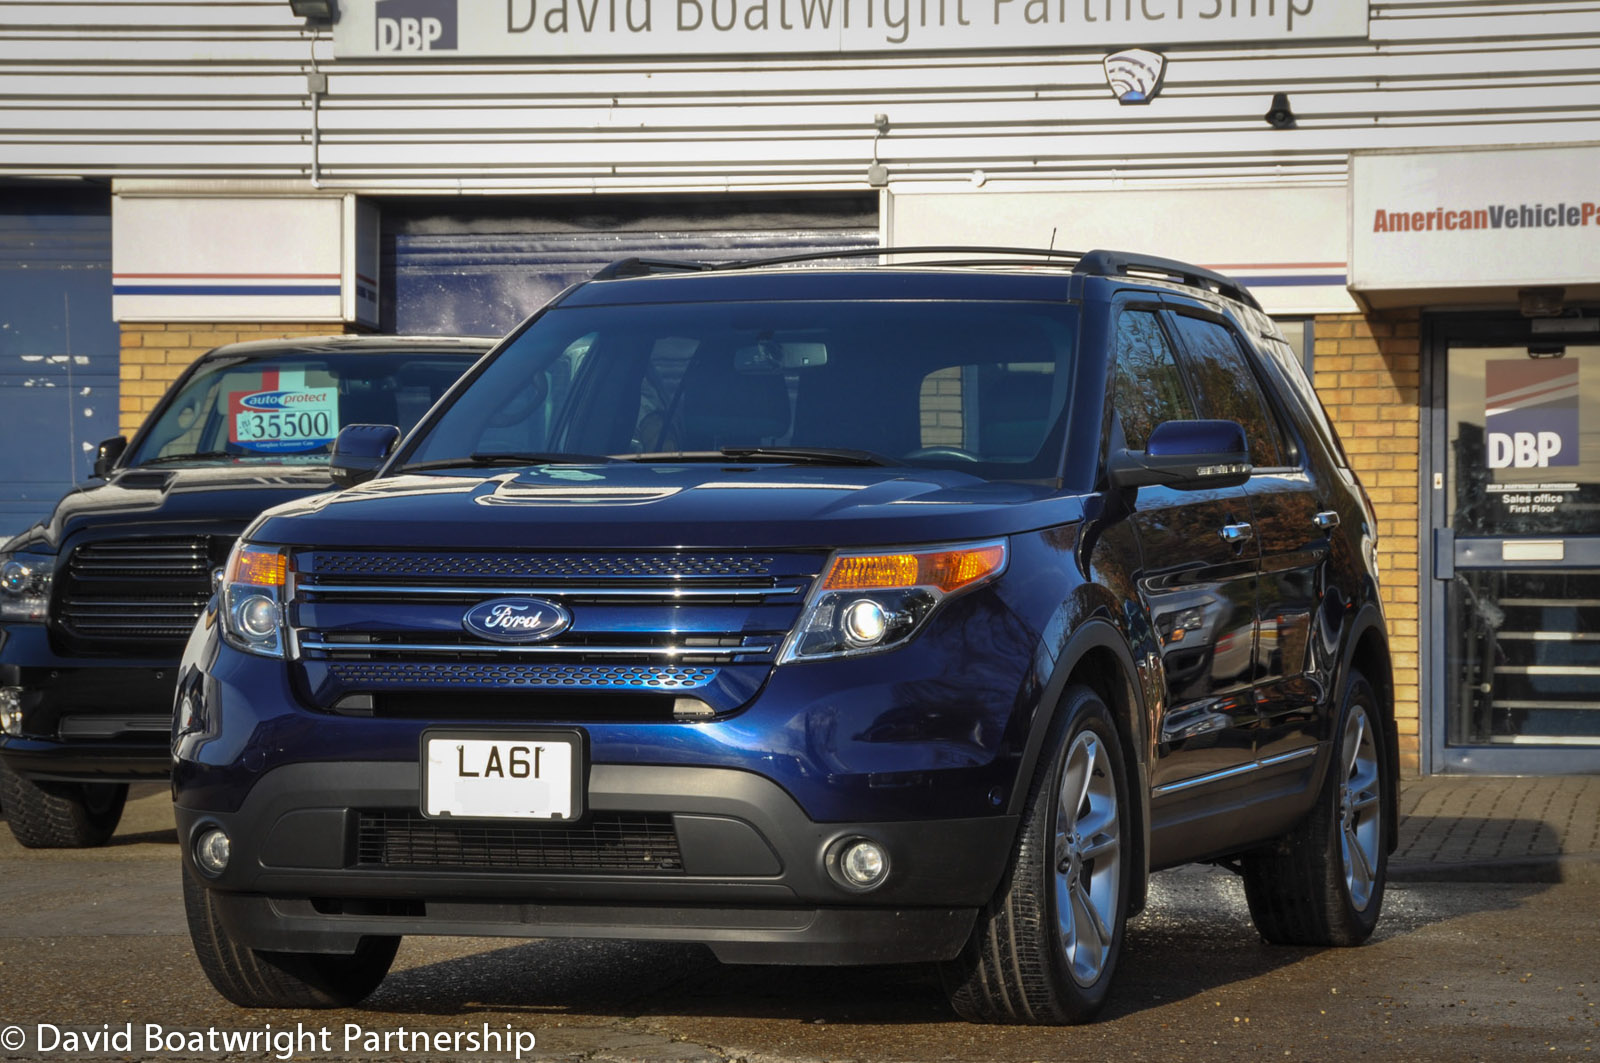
(517, 620)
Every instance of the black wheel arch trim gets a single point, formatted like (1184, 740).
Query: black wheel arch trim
(1098, 633)
(1369, 621)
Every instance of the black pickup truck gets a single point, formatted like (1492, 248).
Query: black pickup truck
(97, 600)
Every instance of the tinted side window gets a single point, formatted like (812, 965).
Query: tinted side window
(1149, 389)
(1227, 389)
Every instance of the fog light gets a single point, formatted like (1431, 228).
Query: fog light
(863, 864)
(211, 852)
(865, 622)
(258, 616)
(11, 710)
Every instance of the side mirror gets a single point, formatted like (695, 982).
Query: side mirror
(359, 451)
(108, 453)
(1186, 456)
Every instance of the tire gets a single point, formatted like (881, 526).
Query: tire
(252, 978)
(1322, 883)
(60, 815)
(1045, 949)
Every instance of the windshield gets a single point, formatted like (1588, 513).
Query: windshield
(288, 409)
(978, 387)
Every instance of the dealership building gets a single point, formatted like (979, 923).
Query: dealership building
(1408, 186)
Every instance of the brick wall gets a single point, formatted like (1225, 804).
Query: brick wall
(154, 354)
(1368, 373)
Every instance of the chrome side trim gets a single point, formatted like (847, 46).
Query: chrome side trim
(657, 591)
(1231, 773)
(460, 648)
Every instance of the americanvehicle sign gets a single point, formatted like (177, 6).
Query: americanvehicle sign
(485, 28)
(1437, 220)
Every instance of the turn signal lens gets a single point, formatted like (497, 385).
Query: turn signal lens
(258, 568)
(946, 570)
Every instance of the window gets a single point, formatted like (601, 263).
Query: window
(1226, 387)
(979, 387)
(1148, 388)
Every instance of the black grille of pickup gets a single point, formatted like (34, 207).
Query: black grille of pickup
(138, 590)
(607, 843)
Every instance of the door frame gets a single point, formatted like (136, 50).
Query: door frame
(1439, 331)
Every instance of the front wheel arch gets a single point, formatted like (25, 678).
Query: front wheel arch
(1097, 656)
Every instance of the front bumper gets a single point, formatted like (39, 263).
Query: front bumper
(749, 879)
(85, 719)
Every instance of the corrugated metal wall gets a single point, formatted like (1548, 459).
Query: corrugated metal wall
(218, 89)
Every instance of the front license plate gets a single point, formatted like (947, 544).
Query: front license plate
(485, 775)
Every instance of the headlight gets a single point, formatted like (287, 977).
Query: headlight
(875, 600)
(25, 586)
(254, 590)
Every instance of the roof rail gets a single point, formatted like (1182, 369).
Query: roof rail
(644, 267)
(1097, 263)
(1103, 263)
(939, 249)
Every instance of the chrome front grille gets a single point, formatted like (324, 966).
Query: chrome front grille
(708, 625)
(356, 676)
(488, 566)
(137, 590)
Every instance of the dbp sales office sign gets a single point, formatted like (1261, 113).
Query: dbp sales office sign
(512, 28)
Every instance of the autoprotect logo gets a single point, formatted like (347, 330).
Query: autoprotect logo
(416, 27)
(283, 400)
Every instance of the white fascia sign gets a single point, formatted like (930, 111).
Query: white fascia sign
(185, 257)
(1492, 219)
(410, 29)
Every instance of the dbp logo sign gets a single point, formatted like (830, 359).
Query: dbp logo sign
(1531, 413)
(412, 26)
(517, 619)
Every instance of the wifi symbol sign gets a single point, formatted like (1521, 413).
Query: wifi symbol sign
(1135, 74)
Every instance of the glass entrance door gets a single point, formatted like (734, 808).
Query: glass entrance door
(1516, 556)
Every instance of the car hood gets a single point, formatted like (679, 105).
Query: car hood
(630, 505)
(217, 497)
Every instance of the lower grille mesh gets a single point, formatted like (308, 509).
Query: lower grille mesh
(610, 843)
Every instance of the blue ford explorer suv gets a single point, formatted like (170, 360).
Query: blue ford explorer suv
(853, 614)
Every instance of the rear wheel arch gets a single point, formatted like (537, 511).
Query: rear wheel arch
(1368, 653)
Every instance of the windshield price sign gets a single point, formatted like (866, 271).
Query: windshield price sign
(304, 419)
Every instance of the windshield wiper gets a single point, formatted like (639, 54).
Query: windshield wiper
(200, 455)
(793, 455)
(485, 460)
(809, 455)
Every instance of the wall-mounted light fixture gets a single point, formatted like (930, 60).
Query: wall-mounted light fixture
(1279, 116)
(878, 173)
(316, 10)
(1541, 302)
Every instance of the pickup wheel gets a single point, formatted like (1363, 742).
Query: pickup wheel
(1045, 949)
(252, 978)
(60, 815)
(1322, 883)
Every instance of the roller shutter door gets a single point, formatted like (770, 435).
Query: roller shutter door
(447, 270)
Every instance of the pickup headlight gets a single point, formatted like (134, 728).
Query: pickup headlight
(254, 590)
(25, 586)
(870, 601)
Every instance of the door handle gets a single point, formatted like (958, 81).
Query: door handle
(1236, 534)
(1327, 519)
